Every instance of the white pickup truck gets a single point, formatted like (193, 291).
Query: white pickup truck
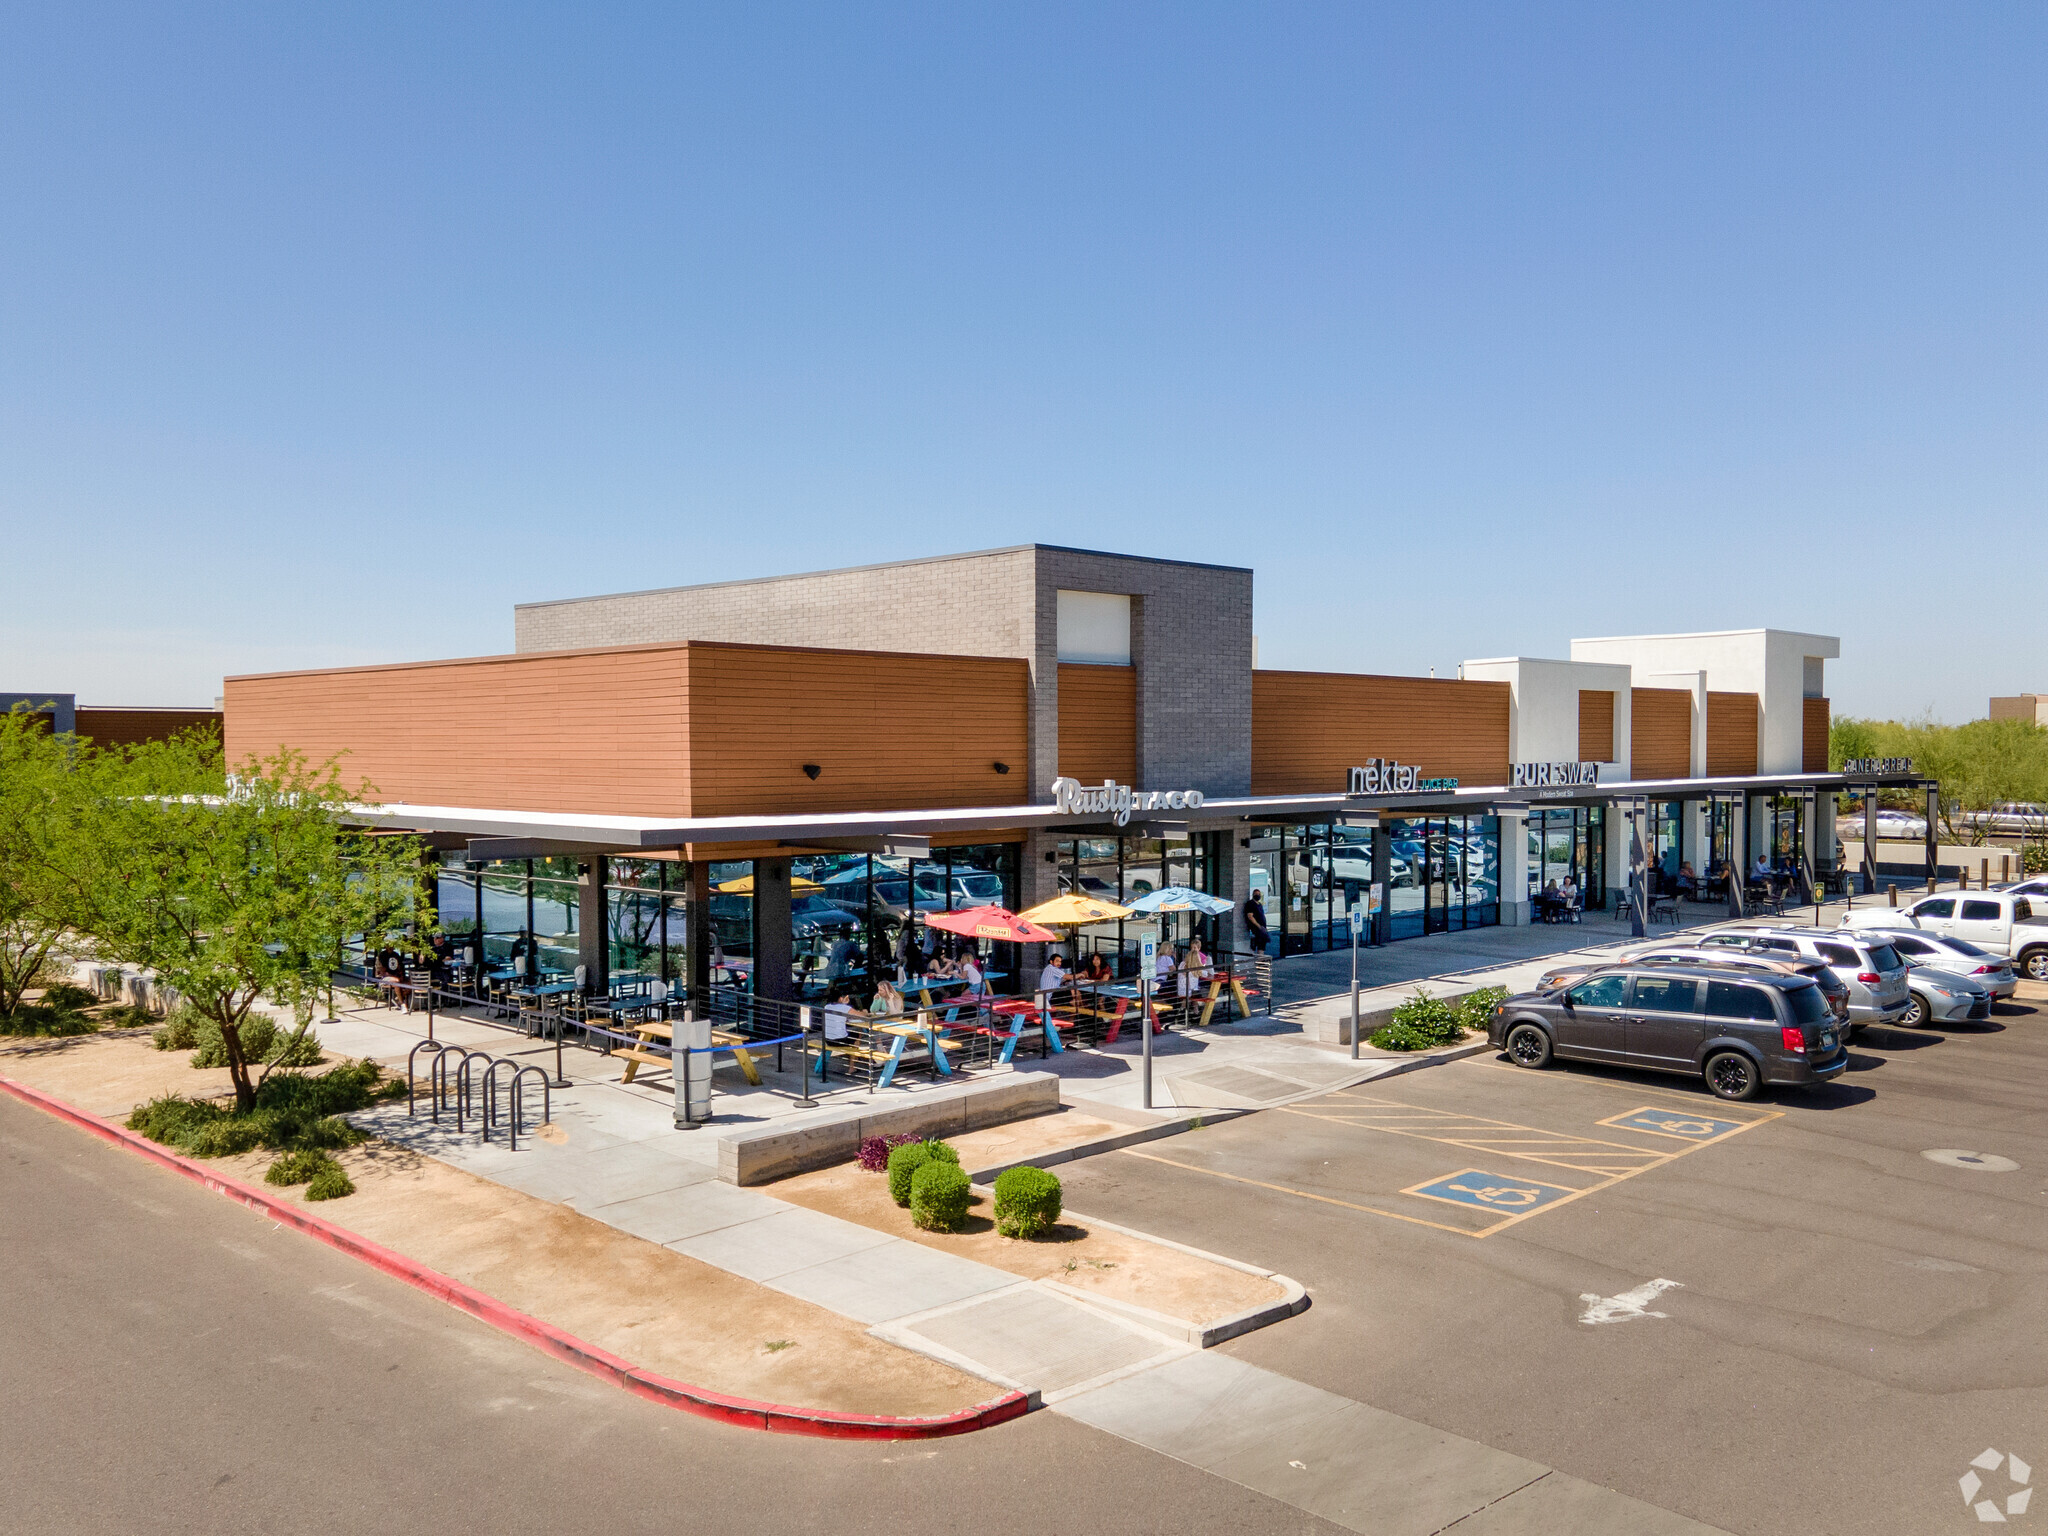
(2000, 921)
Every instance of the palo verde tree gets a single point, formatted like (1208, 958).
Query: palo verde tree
(48, 786)
(250, 889)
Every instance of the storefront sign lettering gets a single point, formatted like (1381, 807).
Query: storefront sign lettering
(1878, 765)
(1119, 801)
(1553, 775)
(1382, 776)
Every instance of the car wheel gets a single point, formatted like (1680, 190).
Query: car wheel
(1732, 1075)
(2035, 963)
(1529, 1046)
(1916, 1015)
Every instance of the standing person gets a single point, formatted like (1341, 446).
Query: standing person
(1255, 921)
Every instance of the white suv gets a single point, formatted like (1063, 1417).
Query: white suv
(1870, 968)
(2001, 921)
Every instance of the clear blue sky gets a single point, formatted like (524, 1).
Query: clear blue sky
(329, 332)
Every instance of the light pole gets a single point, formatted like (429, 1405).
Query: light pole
(1357, 927)
(1148, 954)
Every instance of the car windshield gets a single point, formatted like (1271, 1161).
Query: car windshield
(1885, 958)
(1808, 1006)
(983, 888)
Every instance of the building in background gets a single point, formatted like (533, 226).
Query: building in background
(106, 725)
(2031, 707)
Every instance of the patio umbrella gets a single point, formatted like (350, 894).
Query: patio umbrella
(1182, 898)
(990, 923)
(1070, 911)
(744, 885)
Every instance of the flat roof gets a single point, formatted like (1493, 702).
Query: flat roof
(881, 565)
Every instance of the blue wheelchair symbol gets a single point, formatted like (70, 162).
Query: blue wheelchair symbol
(1674, 1122)
(1490, 1191)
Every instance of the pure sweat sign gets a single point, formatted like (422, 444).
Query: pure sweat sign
(1118, 801)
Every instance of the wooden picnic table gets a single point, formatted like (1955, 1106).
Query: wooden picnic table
(649, 1031)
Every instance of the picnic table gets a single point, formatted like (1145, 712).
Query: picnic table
(1124, 993)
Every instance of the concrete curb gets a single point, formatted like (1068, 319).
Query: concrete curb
(566, 1347)
(1101, 1144)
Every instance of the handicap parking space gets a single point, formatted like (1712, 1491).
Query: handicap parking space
(1467, 1148)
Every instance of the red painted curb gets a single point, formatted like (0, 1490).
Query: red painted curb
(566, 1347)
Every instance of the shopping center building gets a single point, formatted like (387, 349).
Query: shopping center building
(763, 778)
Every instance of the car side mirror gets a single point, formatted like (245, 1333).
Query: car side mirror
(1565, 998)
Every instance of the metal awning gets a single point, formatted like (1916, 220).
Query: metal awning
(526, 834)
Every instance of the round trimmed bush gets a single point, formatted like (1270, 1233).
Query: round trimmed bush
(1027, 1202)
(299, 1167)
(903, 1165)
(330, 1183)
(942, 1151)
(939, 1196)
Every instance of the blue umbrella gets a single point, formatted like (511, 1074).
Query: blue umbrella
(1181, 898)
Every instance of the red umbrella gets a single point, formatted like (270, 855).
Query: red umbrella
(991, 923)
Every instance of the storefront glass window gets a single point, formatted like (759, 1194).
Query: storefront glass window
(854, 916)
(1123, 869)
(1569, 843)
(732, 922)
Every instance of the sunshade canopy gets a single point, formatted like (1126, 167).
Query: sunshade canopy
(744, 885)
(1181, 898)
(990, 923)
(1071, 911)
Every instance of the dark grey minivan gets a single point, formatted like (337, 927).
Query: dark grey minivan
(1739, 1033)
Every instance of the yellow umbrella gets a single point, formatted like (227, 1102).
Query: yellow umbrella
(744, 885)
(1070, 911)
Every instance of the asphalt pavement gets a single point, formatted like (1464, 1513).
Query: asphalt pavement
(174, 1363)
(1773, 1318)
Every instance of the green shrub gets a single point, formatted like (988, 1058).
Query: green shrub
(1399, 1037)
(942, 1151)
(1027, 1202)
(295, 1111)
(903, 1165)
(67, 998)
(262, 1041)
(1475, 1009)
(939, 1196)
(179, 1032)
(298, 1167)
(39, 1021)
(330, 1183)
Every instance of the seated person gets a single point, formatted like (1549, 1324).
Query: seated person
(1096, 968)
(1568, 895)
(1688, 882)
(888, 1003)
(1165, 972)
(969, 971)
(1196, 966)
(838, 1014)
(1054, 977)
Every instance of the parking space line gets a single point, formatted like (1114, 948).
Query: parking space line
(1589, 1154)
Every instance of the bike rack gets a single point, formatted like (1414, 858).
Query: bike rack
(462, 1083)
(491, 1090)
(439, 1048)
(546, 1103)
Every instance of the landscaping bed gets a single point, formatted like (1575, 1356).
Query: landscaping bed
(1114, 1265)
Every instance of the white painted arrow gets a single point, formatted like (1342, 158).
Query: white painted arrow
(1629, 1304)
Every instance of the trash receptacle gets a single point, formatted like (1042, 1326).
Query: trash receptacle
(692, 1048)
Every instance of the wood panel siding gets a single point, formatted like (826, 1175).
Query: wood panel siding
(888, 731)
(1099, 723)
(694, 729)
(1660, 733)
(132, 727)
(1813, 736)
(1309, 729)
(1731, 733)
(598, 731)
(1596, 725)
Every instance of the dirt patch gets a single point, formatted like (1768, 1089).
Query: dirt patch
(1022, 1140)
(1110, 1264)
(653, 1306)
(109, 1073)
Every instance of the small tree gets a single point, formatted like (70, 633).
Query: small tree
(48, 785)
(254, 889)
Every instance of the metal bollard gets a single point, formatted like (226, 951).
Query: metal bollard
(1891, 895)
(803, 1057)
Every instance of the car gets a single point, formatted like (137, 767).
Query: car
(1737, 1033)
(1871, 969)
(1822, 976)
(1919, 948)
(1892, 825)
(2035, 890)
(2003, 922)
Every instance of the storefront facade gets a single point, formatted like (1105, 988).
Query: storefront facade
(762, 808)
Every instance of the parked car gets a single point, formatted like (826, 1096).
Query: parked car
(2003, 922)
(1870, 968)
(2035, 890)
(1738, 1033)
(1822, 976)
(1894, 825)
(1919, 949)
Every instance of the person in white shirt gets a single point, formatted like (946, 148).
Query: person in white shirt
(838, 1015)
(1054, 976)
(970, 972)
(1162, 972)
(888, 1003)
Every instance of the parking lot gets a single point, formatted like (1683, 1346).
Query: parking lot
(1774, 1317)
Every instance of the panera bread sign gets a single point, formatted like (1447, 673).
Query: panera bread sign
(1118, 801)
(1553, 775)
